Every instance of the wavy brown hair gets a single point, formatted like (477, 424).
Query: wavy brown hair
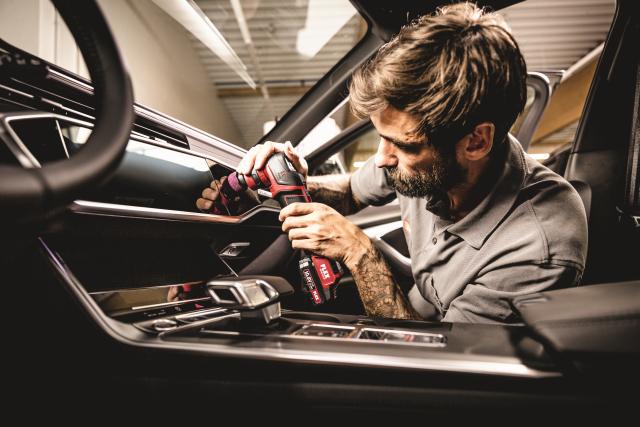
(451, 71)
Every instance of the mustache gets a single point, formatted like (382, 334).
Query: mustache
(440, 176)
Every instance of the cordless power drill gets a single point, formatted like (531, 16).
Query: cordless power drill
(320, 276)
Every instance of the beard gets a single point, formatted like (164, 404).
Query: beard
(444, 173)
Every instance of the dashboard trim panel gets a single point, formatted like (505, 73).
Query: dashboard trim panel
(109, 209)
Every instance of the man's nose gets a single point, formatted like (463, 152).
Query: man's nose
(385, 156)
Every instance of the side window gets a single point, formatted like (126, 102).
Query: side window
(351, 157)
(325, 133)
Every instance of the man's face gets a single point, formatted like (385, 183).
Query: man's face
(415, 168)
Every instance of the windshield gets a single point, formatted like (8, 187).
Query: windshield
(228, 67)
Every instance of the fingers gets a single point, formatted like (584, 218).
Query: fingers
(173, 293)
(304, 244)
(209, 195)
(295, 222)
(300, 233)
(266, 150)
(256, 157)
(213, 190)
(246, 164)
(203, 204)
(298, 162)
(297, 209)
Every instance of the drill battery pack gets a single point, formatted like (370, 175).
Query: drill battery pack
(320, 277)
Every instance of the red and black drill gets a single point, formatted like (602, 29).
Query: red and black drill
(320, 276)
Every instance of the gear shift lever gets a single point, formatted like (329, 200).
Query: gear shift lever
(255, 297)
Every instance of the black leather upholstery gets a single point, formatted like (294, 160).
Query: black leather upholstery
(570, 322)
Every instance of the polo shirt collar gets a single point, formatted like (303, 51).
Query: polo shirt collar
(478, 224)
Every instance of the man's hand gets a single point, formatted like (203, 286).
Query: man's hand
(245, 201)
(210, 195)
(319, 229)
(258, 155)
(333, 190)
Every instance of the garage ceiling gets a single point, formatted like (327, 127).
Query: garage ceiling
(553, 34)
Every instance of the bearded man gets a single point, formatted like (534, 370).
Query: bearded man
(484, 221)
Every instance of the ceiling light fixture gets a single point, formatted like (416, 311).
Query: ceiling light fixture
(191, 17)
(246, 36)
(324, 19)
(242, 22)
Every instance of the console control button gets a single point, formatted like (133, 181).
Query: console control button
(161, 325)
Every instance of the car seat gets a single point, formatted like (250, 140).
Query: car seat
(604, 164)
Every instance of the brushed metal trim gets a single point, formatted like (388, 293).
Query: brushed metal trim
(168, 304)
(65, 108)
(25, 157)
(64, 146)
(376, 233)
(16, 91)
(200, 313)
(354, 335)
(111, 209)
(380, 230)
(441, 343)
(68, 80)
(376, 214)
(402, 262)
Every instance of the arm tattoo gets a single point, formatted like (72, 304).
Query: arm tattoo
(335, 191)
(380, 294)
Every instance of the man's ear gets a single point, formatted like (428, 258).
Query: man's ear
(479, 142)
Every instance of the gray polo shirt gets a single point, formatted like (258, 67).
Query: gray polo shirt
(529, 234)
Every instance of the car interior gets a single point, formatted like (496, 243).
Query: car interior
(122, 291)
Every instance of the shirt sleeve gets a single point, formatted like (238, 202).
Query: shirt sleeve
(488, 299)
(370, 185)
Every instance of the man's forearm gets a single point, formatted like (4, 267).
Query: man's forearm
(334, 191)
(380, 294)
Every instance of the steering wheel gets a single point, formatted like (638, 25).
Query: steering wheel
(35, 193)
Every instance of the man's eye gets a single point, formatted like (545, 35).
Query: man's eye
(408, 148)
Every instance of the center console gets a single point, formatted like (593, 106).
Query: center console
(247, 307)
(175, 295)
